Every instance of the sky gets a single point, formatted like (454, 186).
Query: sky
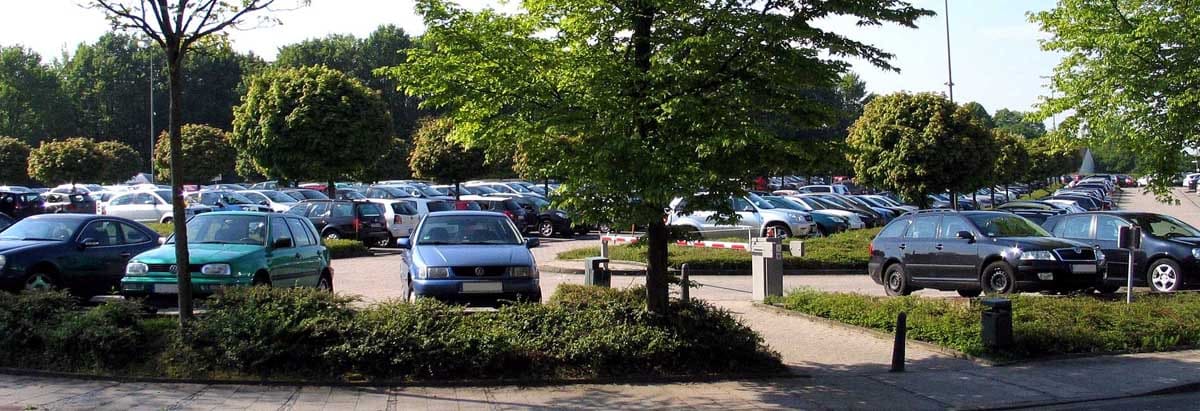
(996, 58)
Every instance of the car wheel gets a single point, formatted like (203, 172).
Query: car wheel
(333, 235)
(781, 231)
(998, 278)
(969, 293)
(546, 228)
(167, 220)
(386, 242)
(895, 281)
(408, 293)
(325, 284)
(261, 279)
(40, 282)
(1163, 276)
(819, 232)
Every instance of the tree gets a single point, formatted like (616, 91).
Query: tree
(392, 165)
(64, 161)
(1012, 160)
(640, 101)
(32, 103)
(119, 162)
(1019, 123)
(206, 153)
(176, 27)
(14, 161)
(917, 144)
(1128, 65)
(437, 157)
(311, 123)
(980, 113)
(1051, 156)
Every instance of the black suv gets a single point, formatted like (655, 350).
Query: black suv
(978, 251)
(1169, 256)
(336, 219)
(509, 207)
(21, 205)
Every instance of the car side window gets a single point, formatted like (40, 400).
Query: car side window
(318, 210)
(1108, 227)
(951, 225)
(279, 230)
(740, 204)
(343, 210)
(301, 235)
(895, 229)
(923, 228)
(1079, 227)
(121, 200)
(144, 199)
(133, 235)
(103, 232)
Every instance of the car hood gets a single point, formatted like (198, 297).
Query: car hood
(1187, 241)
(8, 246)
(472, 255)
(199, 253)
(1038, 243)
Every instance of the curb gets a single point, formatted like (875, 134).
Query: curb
(428, 383)
(555, 269)
(881, 335)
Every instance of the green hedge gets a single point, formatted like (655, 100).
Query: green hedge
(337, 248)
(1042, 326)
(305, 334)
(847, 250)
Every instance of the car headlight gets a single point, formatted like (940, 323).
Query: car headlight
(1041, 255)
(526, 272)
(136, 268)
(433, 272)
(3, 262)
(794, 218)
(561, 214)
(1195, 253)
(215, 269)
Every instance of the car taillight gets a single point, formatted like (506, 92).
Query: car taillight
(357, 224)
(870, 248)
(509, 214)
(396, 220)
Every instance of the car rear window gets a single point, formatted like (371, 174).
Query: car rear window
(435, 206)
(511, 205)
(404, 208)
(369, 210)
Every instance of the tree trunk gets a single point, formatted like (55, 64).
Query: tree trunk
(975, 198)
(331, 189)
(656, 267)
(178, 215)
(993, 192)
(954, 200)
(457, 191)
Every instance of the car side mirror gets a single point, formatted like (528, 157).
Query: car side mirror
(88, 242)
(220, 204)
(532, 243)
(282, 243)
(162, 240)
(264, 202)
(404, 243)
(966, 235)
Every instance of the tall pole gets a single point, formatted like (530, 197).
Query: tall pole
(150, 57)
(949, 82)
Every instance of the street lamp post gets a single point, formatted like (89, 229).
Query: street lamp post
(150, 60)
(949, 82)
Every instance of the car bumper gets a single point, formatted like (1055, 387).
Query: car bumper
(201, 286)
(457, 290)
(1043, 275)
(399, 231)
(374, 236)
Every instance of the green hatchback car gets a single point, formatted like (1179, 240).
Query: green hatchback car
(235, 248)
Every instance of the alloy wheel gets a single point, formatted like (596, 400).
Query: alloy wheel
(324, 285)
(39, 282)
(1164, 278)
(546, 229)
(998, 279)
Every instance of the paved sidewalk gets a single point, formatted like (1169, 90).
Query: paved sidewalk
(976, 387)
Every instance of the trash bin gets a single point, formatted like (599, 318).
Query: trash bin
(595, 272)
(1192, 185)
(997, 323)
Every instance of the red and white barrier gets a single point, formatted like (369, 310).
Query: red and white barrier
(714, 244)
(619, 239)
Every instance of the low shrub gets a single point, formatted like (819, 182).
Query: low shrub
(24, 320)
(346, 248)
(847, 250)
(107, 337)
(1042, 326)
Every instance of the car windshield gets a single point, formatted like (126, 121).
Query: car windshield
(464, 230)
(40, 230)
(165, 195)
(429, 192)
(226, 229)
(442, 191)
(779, 202)
(520, 188)
(1162, 226)
(353, 195)
(481, 190)
(1006, 225)
(277, 197)
(313, 195)
(759, 201)
(539, 202)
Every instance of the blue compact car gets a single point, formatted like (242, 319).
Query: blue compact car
(472, 257)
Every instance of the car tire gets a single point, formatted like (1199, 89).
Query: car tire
(332, 235)
(409, 297)
(895, 281)
(819, 232)
(261, 279)
(386, 242)
(546, 228)
(969, 293)
(998, 279)
(781, 231)
(325, 283)
(1164, 276)
(167, 220)
(40, 281)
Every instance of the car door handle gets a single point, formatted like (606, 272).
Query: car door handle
(126, 255)
(939, 247)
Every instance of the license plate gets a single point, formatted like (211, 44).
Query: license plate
(166, 288)
(1083, 268)
(471, 288)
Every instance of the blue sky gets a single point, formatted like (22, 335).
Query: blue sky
(997, 61)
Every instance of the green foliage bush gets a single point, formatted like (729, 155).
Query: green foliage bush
(165, 230)
(343, 248)
(47, 330)
(1042, 326)
(847, 250)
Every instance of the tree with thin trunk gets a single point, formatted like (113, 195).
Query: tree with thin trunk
(176, 26)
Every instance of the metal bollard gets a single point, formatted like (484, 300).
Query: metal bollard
(683, 283)
(898, 346)
(604, 248)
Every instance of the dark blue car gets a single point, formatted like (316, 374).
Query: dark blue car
(85, 253)
(472, 257)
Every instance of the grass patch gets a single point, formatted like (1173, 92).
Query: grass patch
(847, 250)
(1042, 326)
(1042, 192)
(165, 230)
(285, 334)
